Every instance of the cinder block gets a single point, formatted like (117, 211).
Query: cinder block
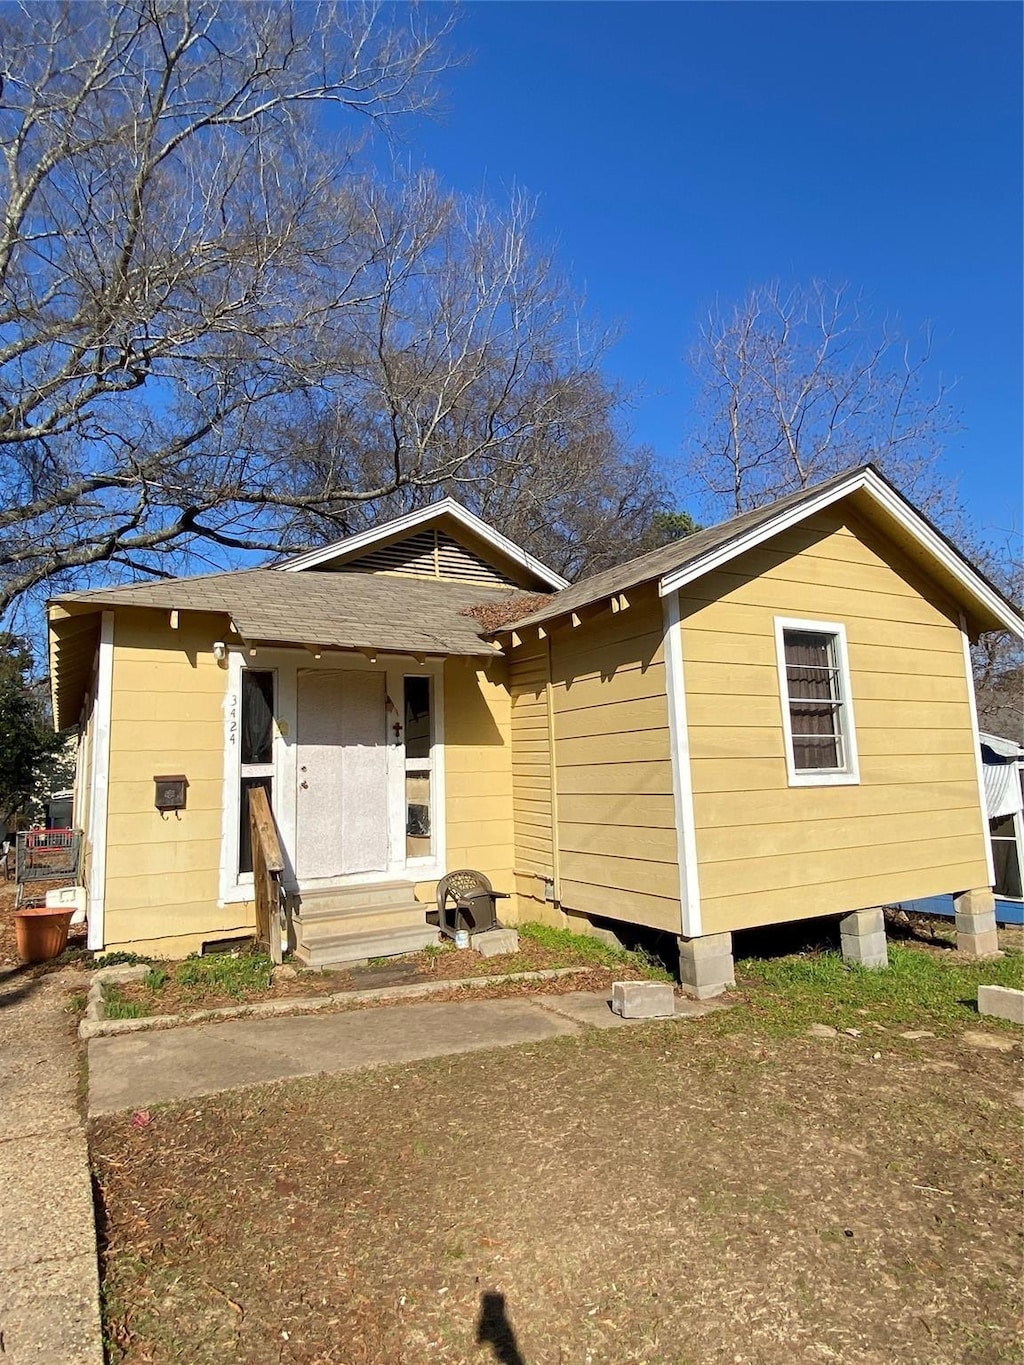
(705, 965)
(607, 936)
(707, 971)
(496, 942)
(872, 952)
(978, 901)
(873, 961)
(1003, 1002)
(860, 945)
(707, 946)
(643, 999)
(979, 945)
(968, 923)
(863, 923)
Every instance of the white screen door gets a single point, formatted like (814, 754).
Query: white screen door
(341, 762)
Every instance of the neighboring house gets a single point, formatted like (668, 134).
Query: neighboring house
(1003, 777)
(769, 720)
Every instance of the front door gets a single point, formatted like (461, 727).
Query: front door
(341, 769)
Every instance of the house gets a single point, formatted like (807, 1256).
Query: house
(770, 720)
(1003, 779)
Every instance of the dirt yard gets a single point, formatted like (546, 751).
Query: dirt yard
(713, 1192)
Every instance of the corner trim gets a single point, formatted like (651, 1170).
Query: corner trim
(972, 704)
(682, 777)
(100, 785)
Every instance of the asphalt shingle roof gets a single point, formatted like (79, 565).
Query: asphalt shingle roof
(340, 610)
(669, 557)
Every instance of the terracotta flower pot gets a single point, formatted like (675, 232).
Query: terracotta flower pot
(41, 933)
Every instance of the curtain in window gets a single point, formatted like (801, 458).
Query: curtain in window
(257, 716)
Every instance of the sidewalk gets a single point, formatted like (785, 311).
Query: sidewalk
(49, 1291)
(135, 1070)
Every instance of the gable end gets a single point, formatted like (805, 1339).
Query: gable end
(428, 554)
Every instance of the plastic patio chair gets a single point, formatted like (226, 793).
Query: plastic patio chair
(467, 901)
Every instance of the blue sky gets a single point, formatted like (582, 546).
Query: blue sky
(686, 151)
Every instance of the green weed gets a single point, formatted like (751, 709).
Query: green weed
(156, 978)
(581, 948)
(119, 959)
(223, 972)
(115, 1006)
(940, 990)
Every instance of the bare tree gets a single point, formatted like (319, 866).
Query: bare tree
(795, 385)
(469, 370)
(174, 255)
(998, 657)
(220, 333)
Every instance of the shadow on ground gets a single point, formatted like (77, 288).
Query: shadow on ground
(494, 1329)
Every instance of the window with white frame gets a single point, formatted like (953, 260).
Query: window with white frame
(256, 768)
(817, 714)
(419, 741)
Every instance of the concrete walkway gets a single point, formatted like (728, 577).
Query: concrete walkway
(49, 1290)
(135, 1070)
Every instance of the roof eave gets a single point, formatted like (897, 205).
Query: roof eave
(992, 610)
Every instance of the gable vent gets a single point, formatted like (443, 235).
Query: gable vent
(429, 554)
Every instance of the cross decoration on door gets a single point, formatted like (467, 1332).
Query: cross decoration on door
(391, 709)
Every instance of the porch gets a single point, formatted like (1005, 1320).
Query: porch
(337, 764)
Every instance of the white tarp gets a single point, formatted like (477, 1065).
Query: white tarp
(1002, 789)
(1002, 780)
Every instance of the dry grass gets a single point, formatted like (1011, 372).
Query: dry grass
(663, 1194)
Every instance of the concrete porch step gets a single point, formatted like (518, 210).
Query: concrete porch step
(337, 949)
(315, 925)
(341, 898)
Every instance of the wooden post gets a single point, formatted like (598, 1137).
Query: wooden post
(267, 867)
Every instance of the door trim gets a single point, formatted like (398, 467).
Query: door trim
(286, 663)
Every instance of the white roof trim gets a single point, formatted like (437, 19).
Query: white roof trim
(868, 481)
(364, 539)
(1005, 748)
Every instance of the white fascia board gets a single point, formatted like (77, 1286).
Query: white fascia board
(364, 539)
(868, 481)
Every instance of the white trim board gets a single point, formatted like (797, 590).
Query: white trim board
(849, 775)
(363, 540)
(682, 779)
(973, 707)
(100, 785)
(874, 486)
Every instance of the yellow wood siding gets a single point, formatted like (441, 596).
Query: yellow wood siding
(166, 717)
(912, 826)
(616, 834)
(532, 791)
(478, 774)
